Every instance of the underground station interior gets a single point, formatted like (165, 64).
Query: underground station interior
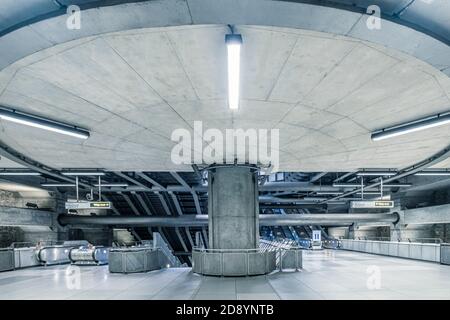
(224, 150)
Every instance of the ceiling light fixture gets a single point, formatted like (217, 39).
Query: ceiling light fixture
(433, 173)
(112, 185)
(58, 185)
(19, 173)
(234, 43)
(83, 173)
(413, 126)
(376, 173)
(357, 185)
(41, 123)
(328, 193)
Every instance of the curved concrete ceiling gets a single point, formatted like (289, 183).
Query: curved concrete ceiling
(417, 27)
(325, 93)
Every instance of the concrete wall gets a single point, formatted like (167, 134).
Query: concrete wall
(338, 233)
(367, 232)
(233, 208)
(8, 235)
(20, 199)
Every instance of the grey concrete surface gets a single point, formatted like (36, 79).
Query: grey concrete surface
(10, 216)
(326, 275)
(430, 29)
(233, 208)
(427, 215)
(324, 92)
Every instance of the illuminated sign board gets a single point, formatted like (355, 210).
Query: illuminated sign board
(73, 205)
(377, 204)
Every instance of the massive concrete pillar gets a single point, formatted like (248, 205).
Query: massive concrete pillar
(233, 209)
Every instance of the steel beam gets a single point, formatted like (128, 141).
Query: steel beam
(317, 176)
(131, 204)
(188, 232)
(188, 187)
(113, 208)
(177, 203)
(147, 178)
(164, 204)
(143, 204)
(132, 180)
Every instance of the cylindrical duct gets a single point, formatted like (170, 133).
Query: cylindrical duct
(202, 220)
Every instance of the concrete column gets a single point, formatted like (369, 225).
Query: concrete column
(351, 231)
(233, 209)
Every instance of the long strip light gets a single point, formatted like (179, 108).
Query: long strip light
(107, 185)
(357, 185)
(376, 173)
(41, 123)
(234, 43)
(19, 173)
(83, 173)
(432, 173)
(58, 185)
(417, 125)
(328, 193)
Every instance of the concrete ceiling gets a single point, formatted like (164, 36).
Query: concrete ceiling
(325, 93)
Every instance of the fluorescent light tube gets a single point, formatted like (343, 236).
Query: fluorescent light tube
(357, 185)
(433, 173)
(376, 173)
(112, 185)
(328, 193)
(82, 173)
(414, 126)
(18, 173)
(58, 185)
(41, 123)
(234, 43)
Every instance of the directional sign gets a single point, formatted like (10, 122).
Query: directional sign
(377, 204)
(317, 235)
(88, 205)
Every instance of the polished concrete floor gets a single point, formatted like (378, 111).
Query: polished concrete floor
(326, 275)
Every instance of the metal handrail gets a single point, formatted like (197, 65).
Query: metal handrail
(387, 239)
(198, 249)
(15, 245)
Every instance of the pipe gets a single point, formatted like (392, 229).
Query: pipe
(202, 220)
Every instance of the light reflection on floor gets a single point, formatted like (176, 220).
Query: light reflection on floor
(326, 275)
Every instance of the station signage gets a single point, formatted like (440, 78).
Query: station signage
(376, 204)
(74, 205)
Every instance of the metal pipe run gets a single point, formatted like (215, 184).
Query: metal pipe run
(202, 220)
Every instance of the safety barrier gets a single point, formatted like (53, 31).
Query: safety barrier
(240, 262)
(445, 253)
(133, 260)
(410, 250)
(245, 262)
(26, 257)
(6, 259)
